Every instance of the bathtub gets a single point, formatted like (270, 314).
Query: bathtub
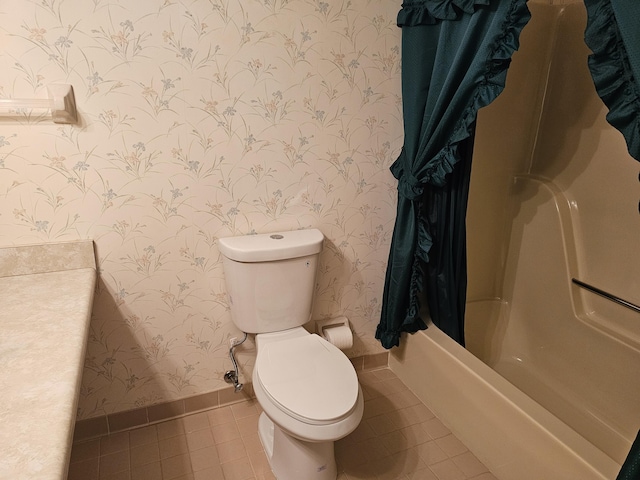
(548, 386)
(512, 434)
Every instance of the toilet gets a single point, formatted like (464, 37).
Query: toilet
(306, 386)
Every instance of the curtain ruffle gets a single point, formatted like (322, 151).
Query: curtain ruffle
(491, 85)
(408, 185)
(412, 320)
(612, 74)
(429, 12)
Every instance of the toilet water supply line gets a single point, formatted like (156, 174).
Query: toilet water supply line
(232, 376)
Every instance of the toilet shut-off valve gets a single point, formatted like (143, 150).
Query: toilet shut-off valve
(232, 376)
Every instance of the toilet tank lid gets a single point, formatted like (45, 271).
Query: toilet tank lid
(272, 246)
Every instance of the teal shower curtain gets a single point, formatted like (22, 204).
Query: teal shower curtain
(455, 56)
(613, 35)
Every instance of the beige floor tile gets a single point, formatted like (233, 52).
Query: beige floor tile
(248, 425)
(365, 471)
(200, 439)
(423, 474)
(116, 442)
(124, 475)
(144, 454)
(485, 476)
(150, 471)
(377, 406)
(368, 377)
(252, 443)
(435, 428)
(415, 435)
(195, 422)
(391, 386)
(170, 428)
(143, 436)
(383, 424)
(431, 453)
(394, 442)
(373, 450)
(412, 461)
(259, 463)
(237, 470)
(84, 470)
(403, 399)
(361, 433)
(204, 458)
(451, 445)
(350, 456)
(213, 473)
(230, 451)
(469, 464)
(172, 446)
(225, 432)
(399, 439)
(244, 409)
(114, 463)
(176, 466)
(85, 450)
(221, 415)
(268, 476)
(388, 468)
(447, 470)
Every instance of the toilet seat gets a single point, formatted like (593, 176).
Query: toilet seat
(308, 378)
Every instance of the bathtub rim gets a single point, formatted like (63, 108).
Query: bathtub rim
(550, 448)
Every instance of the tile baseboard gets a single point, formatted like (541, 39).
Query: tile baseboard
(139, 417)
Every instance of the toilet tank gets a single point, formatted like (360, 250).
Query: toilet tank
(271, 278)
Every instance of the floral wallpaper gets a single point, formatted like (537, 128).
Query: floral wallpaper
(200, 119)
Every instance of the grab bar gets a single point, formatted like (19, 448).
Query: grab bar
(607, 295)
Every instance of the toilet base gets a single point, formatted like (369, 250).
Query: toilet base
(294, 459)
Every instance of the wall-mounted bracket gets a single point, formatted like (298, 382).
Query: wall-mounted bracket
(63, 103)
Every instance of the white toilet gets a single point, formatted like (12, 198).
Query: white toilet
(306, 386)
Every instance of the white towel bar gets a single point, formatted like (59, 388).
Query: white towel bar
(61, 102)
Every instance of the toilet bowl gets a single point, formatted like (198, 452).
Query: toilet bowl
(308, 403)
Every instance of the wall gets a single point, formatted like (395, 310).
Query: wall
(200, 119)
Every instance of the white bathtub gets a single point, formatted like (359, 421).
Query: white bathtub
(549, 386)
(515, 437)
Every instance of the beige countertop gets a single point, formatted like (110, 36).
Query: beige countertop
(46, 295)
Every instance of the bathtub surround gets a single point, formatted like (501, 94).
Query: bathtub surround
(200, 119)
(46, 293)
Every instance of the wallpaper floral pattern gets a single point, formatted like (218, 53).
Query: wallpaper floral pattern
(200, 119)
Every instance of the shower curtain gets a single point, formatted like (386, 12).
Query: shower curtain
(613, 35)
(455, 56)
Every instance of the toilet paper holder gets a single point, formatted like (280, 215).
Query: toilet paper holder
(322, 325)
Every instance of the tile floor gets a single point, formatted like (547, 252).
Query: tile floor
(398, 439)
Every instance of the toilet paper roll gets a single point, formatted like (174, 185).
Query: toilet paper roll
(340, 336)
